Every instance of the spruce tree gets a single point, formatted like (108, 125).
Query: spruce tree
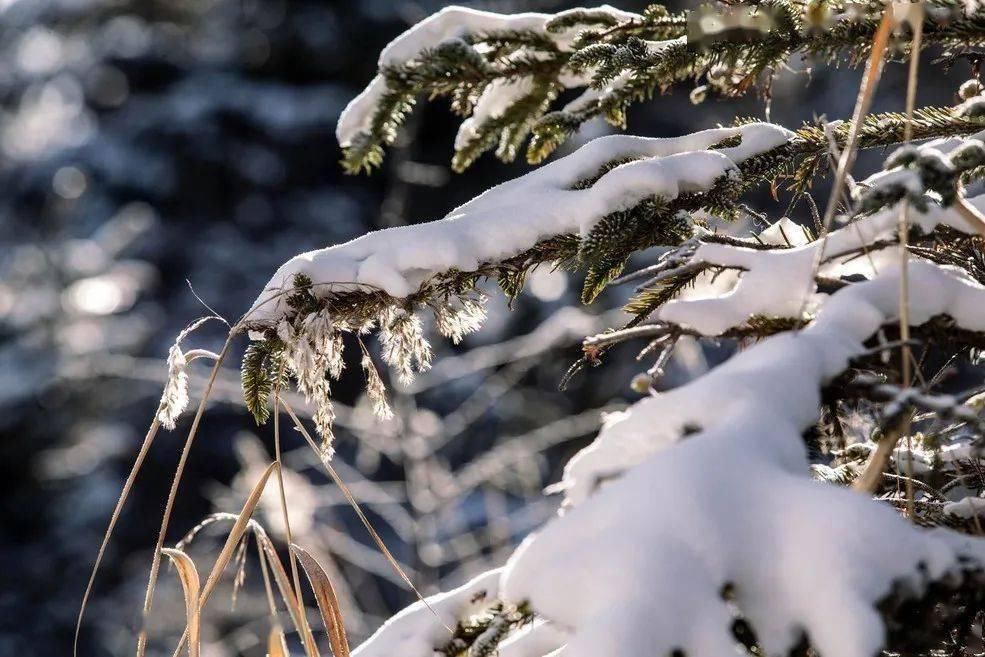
(735, 512)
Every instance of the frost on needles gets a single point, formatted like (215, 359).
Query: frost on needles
(695, 522)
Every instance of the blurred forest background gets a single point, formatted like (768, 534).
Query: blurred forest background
(151, 147)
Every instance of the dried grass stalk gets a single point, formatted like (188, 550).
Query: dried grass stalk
(188, 575)
(328, 602)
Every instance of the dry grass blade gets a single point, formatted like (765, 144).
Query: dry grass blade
(277, 643)
(870, 80)
(173, 494)
(267, 588)
(283, 502)
(871, 477)
(236, 533)
(294, 607)
(328, 602)
(188, 575)
(235, 536)
(359, 512)
(866, 92)
(124, 494)
(968, 212)
(903, 230)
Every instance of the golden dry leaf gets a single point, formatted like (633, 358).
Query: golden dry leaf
(277, 643)
(328, 602)
(188, 575)
(287, 594)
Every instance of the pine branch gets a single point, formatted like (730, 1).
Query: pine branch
(262, 364)
(480, 635)
(625, 60)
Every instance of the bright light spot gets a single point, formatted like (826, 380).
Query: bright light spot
(49, 116)
(69, 182)
(6, 299)
(39, 51)
(99, 295)
(126, 36)
(547, 284)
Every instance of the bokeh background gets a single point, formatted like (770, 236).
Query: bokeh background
(158, 155)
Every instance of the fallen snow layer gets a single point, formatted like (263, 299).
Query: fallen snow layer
(418, 630)
(636, 564)
(515, 215)
(450, 23)
(779, 283)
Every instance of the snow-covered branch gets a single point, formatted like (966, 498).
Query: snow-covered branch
(650, 558)
(514, 216)
(504, 72)
(567, 210)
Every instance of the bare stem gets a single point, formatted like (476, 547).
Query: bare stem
(173, 494)
(359, 512)
(305, 631)
(870, 80)
(124, 494)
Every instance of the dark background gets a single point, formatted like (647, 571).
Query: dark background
(146, 147)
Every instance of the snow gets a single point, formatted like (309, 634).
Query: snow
(656, 524)
(779, 282)
(784, 233)
(968, 507)
(591, 96)
(734, 503)
(417, 630)
(907, 179)
(493, 102)
(448, 23)
(537, 640)
(947, 457)
(515, 215)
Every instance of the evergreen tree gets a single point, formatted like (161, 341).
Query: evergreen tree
(695, 522)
